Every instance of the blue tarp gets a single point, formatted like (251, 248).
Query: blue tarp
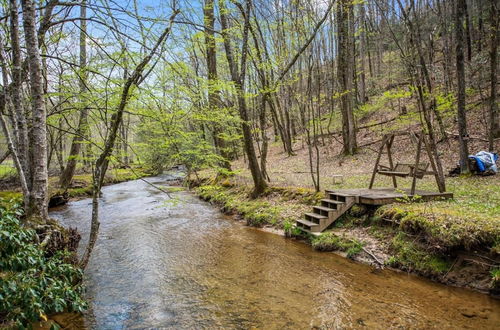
(486, 161)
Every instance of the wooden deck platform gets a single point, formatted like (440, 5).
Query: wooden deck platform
(338, 201)
(382, 196)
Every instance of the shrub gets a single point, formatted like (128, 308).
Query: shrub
(33, 285)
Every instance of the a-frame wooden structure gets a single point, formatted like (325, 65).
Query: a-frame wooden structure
(338, 201)
(415, 170)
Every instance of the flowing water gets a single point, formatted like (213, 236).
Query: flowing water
(179, 263)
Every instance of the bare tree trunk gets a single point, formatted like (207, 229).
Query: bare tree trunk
(4, 101)
(213, 93)
(494, 114)
(124, 139)
(461, 115)
(38, 197)
(345, 73)
(238, 78)
(467, 30)
(362, 53)
(265, 140)
(21, 131)
(69, 170)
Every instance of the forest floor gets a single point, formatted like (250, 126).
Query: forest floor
(454, 241)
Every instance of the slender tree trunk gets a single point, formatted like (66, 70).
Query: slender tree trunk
(265, 140)
(238, 79)
(345, 73)
(76, 144)
(12, 150)
(468, 36)
(16, 92)
(362, 52)
(213, 92)
(461, 115)
(494, 114)
(38, 196)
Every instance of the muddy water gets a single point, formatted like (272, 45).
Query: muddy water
(182, 264)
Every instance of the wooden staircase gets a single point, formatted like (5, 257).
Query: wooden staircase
(331, 208)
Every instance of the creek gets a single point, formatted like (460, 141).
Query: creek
(177, 262)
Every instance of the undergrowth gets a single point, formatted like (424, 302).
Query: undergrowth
(332, 242)
(413, 257)
(266, 210)
(32, 284)
(443, 232)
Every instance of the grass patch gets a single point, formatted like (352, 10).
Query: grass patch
(411, 256)
(303, 195)
(443, 230)
(9, 198)
(277, 208)
(7, 170)
(331, 242)
(495, 277)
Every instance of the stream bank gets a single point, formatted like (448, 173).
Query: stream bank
(398, 236)
(174, 261)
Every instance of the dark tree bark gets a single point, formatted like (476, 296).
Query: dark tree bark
(494, 114)
(362, 54)
(468, 32)
(345, 74)
(461, 115)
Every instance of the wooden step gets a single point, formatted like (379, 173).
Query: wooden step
(331, 202)
(323, 208)
(339, 193)
(316, 218)
(339, 196)
(308, 225)
(327, 213)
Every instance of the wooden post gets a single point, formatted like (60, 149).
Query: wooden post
(384, 140)
(417, 163)
(391, 164)
(440, 184)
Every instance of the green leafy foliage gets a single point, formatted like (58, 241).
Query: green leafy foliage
(495, 276)
(33, 285)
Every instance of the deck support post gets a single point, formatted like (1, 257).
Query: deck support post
(372, 180)
(417, 163)
(391, 164)
(440, 184)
